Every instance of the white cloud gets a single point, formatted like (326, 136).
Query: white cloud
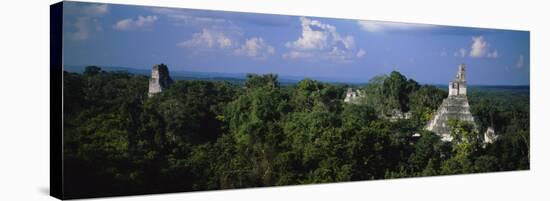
(339, 54)
(218, 34)
(479, 47)
(345, 56)
(208, 39)
(133, 24)
(87, 21)
(316, 35)
(198, 20)
(320, 40)
(378, 26)
(520, 62)
(124, 24)
(255, 47)
(361, 53)
(297, 55)
(82, 29)
(460, 52)
(310, 38)
(493, 54)
(179, 14)
(96, 10)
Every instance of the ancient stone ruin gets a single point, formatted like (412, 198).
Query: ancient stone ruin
(352, 96)
(160, 79)
(455, 106)
(489, 136)
(397, 114)
(358, 97)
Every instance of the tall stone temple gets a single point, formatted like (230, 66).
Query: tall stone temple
(160, 79)
(455, 106)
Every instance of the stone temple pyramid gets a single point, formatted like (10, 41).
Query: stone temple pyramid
(455, 106)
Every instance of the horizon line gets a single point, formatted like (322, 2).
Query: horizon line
(302, 77)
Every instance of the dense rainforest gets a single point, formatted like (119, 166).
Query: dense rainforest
(206, 135)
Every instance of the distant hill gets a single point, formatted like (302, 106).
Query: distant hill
(173, 74)
(283, 79)
(188, 75)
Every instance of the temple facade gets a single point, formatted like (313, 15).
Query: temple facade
(457, 87)
(455, 106)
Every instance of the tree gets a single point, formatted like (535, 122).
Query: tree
(255, 81)
(252, 119)
(466, 142)
(92, 70)
(396, 89)
(424, 102)
(374, 92)
(430, 170)
(486, 164)
(426, 151)
(199, 134)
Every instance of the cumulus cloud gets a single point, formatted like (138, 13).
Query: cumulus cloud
(316, 35)
(460, 52)
(311, 39)
(520, 62)
(361, 53)
(479, 47)
(208, 39)
(133, 24)
(87, 20)
(320, 40)
(84, 26)
(378, 26)
(255, 47)
(82, 29)
(297, 55)
(96, 9)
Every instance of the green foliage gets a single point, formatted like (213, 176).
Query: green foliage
(424, 102)
(427, 150)
(430, 169)
(92, 70)
(396, 89)
(255, 81)
(486, 164)
(200, 135)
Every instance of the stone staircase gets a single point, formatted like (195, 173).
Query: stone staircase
(453, 107)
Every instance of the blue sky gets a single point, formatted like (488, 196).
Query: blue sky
(335, 49)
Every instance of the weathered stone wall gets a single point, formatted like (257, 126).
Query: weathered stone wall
(453, 91)
(160, 79)
(489, 136)
(453, 107)
(352, 96)
(462, 89)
